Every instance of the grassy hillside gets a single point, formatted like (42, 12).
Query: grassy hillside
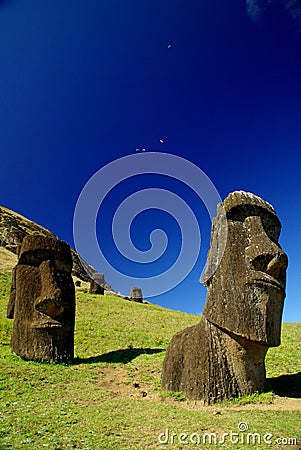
(110, 398)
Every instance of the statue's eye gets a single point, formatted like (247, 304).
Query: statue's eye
(61, 266)
(270, 222)
(35, 257)
(272, 228)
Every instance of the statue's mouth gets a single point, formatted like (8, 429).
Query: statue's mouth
(47, 324)
(262, 278)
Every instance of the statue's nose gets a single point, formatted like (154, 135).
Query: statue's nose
(274, 265)
(50, 300)
(262, 253)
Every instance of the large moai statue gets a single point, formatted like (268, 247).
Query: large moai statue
(42, 301)
(97, 284)
(223, 356)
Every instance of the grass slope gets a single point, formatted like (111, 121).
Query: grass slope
(110, 398)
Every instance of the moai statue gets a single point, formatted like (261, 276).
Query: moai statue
(136, 294)
(97, 284)
(223, 356)
(42, 301)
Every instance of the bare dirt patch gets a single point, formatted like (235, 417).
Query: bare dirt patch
(120, 381)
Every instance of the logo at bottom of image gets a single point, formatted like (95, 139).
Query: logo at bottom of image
(241, 436)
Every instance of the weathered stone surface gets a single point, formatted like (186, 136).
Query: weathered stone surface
(42, 301)
(223, 356)
(136, 294)
(97, 284)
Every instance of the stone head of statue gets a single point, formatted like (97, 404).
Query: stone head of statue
(136, 294)
(97, 283)
(247, 289)
(42, 300)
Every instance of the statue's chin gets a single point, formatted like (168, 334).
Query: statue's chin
(267, 311)
(250, 311)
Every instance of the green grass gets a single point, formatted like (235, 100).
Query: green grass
(110, 398)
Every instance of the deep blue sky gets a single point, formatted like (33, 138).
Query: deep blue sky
(83, 83)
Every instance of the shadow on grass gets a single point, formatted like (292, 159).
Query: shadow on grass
(118, 356)
(286, 385)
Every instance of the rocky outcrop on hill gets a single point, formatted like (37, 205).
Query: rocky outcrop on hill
(13, 228)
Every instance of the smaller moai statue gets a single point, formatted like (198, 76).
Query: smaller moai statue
(136, 294)
(42, 301)
(97, 284)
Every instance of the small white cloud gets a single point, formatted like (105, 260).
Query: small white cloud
(294, 9)
(256, 8)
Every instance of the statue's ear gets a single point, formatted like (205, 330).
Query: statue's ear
(12, 297)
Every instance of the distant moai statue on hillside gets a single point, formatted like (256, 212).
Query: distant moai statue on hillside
(42, 301)
(136, 294)
(97, 284)
(223, 356)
